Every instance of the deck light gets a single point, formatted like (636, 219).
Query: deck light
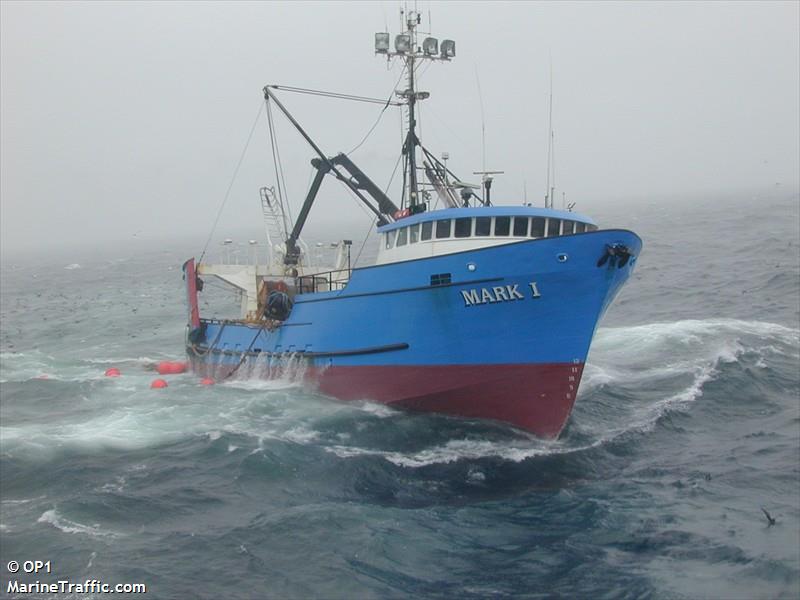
(448, 48)
(402, 42)
(430, 46)
(382, 42)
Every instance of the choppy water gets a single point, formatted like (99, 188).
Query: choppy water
(687, 423)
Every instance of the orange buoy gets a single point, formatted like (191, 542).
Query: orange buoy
(158, 383)
(207, 381)
(113, 372)
(170, 367)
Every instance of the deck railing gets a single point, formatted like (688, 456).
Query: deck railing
(329, 281)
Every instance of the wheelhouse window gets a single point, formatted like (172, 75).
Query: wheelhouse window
(463, 227)
(580, 227)
(591, 227)
(402, 236)
(553, 228)
(413, 234)
(427, 230)
(390, 239)
(443, 229)
(537, 227)
(483, 226)
(502, 225)
(567, 227)
(521, 226)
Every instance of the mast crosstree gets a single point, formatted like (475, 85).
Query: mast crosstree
(407, 48)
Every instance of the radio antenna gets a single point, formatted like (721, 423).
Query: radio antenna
(483, 122)
(548, 196)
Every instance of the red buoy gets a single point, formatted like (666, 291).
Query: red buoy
(207, 381)
(169, 367)
(158, 383)
(113, 372)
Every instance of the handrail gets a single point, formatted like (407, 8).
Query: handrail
(328, 281)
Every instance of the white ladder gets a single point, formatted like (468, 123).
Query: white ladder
(274, 219)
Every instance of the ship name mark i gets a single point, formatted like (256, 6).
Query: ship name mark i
(498, 293)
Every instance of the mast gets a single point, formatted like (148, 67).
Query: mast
(407, 49)
(411, 136)
(550, 192)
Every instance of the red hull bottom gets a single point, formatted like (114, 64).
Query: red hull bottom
(538, 398)
(534, 397)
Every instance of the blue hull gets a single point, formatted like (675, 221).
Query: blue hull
(523, 314)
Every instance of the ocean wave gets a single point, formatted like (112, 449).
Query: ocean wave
(381, 411)
(37, 365)
(456, 450)
(685, 333)
(642, 353)
(22, 500)
(259, 385)
(52, 517)
(679, 359)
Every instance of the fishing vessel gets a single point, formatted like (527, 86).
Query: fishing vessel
(471, 308)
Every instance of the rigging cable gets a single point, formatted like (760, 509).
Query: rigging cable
(380, 115)
(244, 354)
(230, 185)
(283, 192)
(388, 185)
(337, 95)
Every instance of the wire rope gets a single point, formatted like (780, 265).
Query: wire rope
(337, 95)
(230, 185)
(380, 115)
(283, 191)
(374, 219)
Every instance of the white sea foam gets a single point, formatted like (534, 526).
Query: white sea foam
(52, 517)
(456, 450)
(22, 500)
(258, 385)
(379, 410)
(115, 487)
(298, 435)
(141, 360)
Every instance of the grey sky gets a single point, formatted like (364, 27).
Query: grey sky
(128, 118)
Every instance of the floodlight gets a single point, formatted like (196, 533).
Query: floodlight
(402, 42)
(430, 46)
(381, 42)
(448, 48)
